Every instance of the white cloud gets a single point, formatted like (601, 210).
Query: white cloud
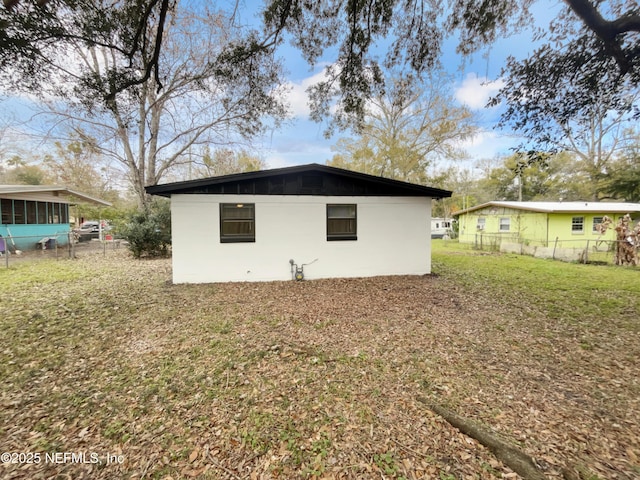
(475, 91)
(277, 161)
(298, 100)
(294, 157)
(287, 151)
(489, 144)
(297, 93)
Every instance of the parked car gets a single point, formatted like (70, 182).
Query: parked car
(93, 226)
(91, 229)
(88, 227)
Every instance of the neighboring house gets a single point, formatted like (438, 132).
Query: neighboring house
(35, 216)
(335, 222)
(545, 224)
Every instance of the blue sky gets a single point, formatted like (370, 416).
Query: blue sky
(474, 81)
(301, 141)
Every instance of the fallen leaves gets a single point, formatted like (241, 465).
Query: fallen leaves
(315, 379)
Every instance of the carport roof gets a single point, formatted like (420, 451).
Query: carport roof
(72, 196)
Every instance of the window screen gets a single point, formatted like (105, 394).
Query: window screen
(342, 222)
(237, 222)
(6, 205)
(32, 216)
(19, 212)
(42, 212)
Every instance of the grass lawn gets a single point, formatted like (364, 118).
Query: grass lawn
(109, 371)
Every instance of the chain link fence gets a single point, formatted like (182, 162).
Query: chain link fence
(63, 246)
(594, 251)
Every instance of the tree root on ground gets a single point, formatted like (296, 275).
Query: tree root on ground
(578, 472)
(515, 459)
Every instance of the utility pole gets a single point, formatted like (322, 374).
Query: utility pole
(520, 185)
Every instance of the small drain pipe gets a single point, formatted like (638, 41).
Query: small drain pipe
(297, 272)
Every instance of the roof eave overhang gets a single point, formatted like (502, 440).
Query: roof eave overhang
(88, 199)
(70, 195)
(527, 208)
(189, 186)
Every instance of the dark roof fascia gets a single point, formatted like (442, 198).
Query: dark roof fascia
(166, 190)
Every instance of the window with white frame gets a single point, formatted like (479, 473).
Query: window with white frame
(481, 223)
(577, 225)
(505, 224)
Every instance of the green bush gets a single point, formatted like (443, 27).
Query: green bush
(149, 232)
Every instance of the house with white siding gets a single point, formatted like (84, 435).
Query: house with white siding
(316, 220)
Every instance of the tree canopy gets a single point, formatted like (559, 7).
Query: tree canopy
(601, 36)
(126, 74)
(578, 78)
(554, 180)
(407, 130)
(622, 176)
(212, 91)
(591, 48)
(36, 35)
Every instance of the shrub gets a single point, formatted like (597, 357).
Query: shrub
(149, 231)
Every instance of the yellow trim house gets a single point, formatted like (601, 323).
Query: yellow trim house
(541, 224)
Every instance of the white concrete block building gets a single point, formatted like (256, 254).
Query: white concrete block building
(330, 222)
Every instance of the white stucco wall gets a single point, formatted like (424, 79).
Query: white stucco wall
(393, 239)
